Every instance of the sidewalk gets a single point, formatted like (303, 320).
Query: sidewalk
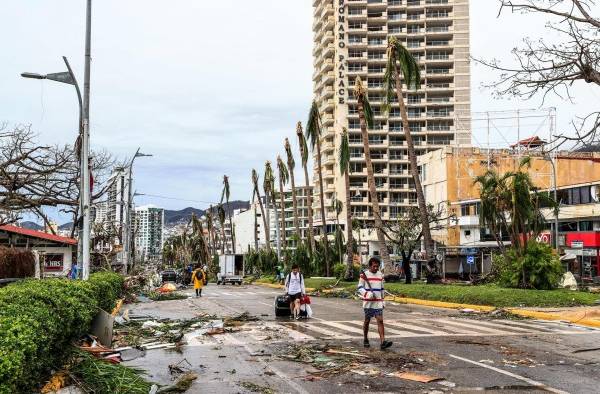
(584, 316)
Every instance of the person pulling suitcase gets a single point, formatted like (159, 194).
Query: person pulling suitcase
(294, 286)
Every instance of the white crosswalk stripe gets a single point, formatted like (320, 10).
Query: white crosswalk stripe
(448, 326)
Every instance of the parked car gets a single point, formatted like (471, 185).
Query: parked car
(168, 276)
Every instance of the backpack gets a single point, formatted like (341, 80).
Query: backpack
(289, 276)
(199, 274)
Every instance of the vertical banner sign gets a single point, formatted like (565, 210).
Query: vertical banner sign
(342, 53)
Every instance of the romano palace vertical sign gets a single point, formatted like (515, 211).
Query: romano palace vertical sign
(342, 53)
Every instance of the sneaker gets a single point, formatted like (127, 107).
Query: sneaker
(297, 317)
(385, 345)
(366, 343)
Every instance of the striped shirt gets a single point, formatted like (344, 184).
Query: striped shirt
(372, 295)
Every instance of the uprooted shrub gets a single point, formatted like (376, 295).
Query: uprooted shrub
(15, 263)
(538, 267)
(39, 319)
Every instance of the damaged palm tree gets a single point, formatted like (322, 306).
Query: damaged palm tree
(291, 165)
(344, 162)
(365, 115)
(221, 215)
(256, 194)
(283, 179)
(313, 134)
(304, 155)
(401, 60)
(226, 194)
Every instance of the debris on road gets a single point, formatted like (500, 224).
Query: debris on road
(182, 385)
(255, 388)
(415, 377)
(178, 368)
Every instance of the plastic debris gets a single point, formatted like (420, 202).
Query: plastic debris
(415, 377)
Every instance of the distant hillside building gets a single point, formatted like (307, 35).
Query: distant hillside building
(148, 230)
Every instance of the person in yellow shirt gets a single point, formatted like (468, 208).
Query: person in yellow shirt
(199, 277)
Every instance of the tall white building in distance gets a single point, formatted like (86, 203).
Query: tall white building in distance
(148, 231)
(350, 41)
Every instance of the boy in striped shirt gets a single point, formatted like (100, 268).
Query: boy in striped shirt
(370, 288)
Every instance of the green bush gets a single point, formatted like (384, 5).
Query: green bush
(39, 319)
(538, 268)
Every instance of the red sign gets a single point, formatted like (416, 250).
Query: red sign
(53, 262)
(590, 239)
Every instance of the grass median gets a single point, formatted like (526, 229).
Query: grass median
(464, 294)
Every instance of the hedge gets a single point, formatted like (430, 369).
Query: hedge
(40, 318)
(16, 263)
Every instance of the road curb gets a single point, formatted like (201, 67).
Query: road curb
(440, 304)
(554, 317)
(481, 308)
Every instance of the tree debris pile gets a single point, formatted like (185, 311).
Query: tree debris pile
(327, 361)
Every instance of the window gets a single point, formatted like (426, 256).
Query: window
(586, 225)
(585, 194)
(567, 226)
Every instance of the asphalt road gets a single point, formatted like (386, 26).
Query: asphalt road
(469, 353)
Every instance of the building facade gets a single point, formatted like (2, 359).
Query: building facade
(244, 221)
(148, 231)
(350, 40)
(448, 181)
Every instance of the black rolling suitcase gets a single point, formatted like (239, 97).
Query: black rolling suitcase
(282, 305)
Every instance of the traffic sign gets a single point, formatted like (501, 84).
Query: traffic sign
(470, 260)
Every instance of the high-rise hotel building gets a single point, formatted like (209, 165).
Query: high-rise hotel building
(350, 40)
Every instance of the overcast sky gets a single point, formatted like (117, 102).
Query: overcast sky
(207, 87)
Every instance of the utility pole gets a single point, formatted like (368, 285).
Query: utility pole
(85, 147)
(127, 238)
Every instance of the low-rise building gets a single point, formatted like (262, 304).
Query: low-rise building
(56, 253)
(448, 177)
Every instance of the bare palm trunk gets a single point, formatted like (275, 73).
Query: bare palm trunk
(322, 197)
(372, 189)
(223, 239)
(295, 203)
(311, 234)
(232, 230)
(412, 157)
(255, 231)
(282, 202)
(349, 236)
(264, 217)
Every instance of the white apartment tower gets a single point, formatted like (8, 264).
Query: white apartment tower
(350, 40)
(148, 225)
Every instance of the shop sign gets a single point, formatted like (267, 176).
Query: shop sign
(53, 262)
(544, 238)
(577, 244)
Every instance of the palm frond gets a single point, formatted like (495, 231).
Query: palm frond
(284, 175)
(221, 214)
(361, 95)
(268, 178)
(290, 156)
(313, 126)
(398, 55)
(302, 144)
(225, 193)
(344, 154)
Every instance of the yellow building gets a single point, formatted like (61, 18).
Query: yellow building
(448, 181)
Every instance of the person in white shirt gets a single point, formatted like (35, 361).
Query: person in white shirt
(294, 286)
(370, 288)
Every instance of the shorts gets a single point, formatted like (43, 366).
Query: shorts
(372, 312)
(294, 297)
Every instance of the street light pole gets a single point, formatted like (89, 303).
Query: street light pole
(69, 78)
(85, 146)
(127, 235)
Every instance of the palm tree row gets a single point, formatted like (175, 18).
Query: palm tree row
(401, 68)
